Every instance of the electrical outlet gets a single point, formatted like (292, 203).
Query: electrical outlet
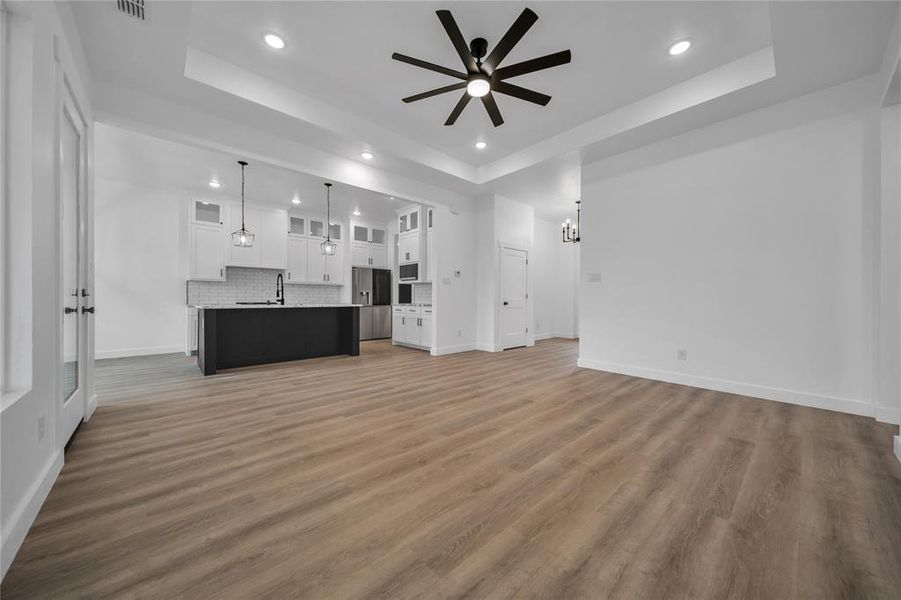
(682, 354)
(537, 326)
(40, 428)
(459, 333)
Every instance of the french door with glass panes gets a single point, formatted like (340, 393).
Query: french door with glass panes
(75, 305)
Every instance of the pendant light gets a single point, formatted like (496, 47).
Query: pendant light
(242, 237)
(572, 233)
(328, 246)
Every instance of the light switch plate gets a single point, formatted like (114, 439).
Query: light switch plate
(594, 278)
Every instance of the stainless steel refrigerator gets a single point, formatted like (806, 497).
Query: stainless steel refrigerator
(372, 289)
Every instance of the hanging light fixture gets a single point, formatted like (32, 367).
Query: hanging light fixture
(571, 233)
(242, 237)
(328, 246)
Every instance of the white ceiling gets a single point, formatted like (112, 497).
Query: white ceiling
(147, 161)
(335, 89)
(340, 53)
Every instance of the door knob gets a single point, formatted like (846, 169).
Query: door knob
(506, 303)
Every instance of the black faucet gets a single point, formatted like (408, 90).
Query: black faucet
(280, 289)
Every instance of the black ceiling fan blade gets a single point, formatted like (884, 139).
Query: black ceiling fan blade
(435, 92)
(458, 108)
(427, 65)
(456, 38)
(519, 28)
(493, 111)
(502, 87)
(536, 64)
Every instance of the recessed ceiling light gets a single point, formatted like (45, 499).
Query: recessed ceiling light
(680, 47)
(274, 41)
(214, 183)
(295, 200)
(356, 212)
(367, 155)
(481, 145)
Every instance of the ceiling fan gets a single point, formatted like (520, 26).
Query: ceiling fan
(482, 78)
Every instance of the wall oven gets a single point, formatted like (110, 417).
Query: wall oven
(409, 272)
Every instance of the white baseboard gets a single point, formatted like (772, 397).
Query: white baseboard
(543, 336)
(854, 407)
(27, 511)
(885, 414)
(453, 349)
(90, 407)
(488, 347)
(568, 335)
(898, 447)
(101, 354)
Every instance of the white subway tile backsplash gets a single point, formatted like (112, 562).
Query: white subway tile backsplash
(249, 285)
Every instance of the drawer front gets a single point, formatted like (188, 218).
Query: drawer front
(413, 310)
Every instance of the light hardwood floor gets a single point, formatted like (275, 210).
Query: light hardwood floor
(508, 475)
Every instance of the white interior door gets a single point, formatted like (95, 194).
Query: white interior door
(71, 211)
(514, 280)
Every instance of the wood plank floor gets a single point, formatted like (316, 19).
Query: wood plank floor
(508, 475)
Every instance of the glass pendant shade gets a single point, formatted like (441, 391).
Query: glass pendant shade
(328, 247)
(242, 237)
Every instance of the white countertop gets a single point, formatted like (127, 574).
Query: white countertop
(221, 306)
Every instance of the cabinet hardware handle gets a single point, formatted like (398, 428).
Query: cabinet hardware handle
(87, 310)
(289, 275)
(403, 320)
(69, 310)
(220, 272)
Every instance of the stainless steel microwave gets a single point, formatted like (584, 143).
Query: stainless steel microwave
(409, 272)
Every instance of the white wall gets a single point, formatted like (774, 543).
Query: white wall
(555, 273)
(141, 253)
(29, 463)
(889, 331)
(454, 298)
(751, 256)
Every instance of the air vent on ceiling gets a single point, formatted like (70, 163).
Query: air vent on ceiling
(132, 8)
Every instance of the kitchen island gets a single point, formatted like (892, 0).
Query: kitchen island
(231, 335)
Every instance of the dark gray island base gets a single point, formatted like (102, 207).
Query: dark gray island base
(229, 337)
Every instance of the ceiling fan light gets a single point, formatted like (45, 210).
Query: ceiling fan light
(478, 87)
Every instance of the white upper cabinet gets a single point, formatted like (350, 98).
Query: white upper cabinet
(316, 272)
(269, 248)
(207, 253)
(272, 239)
(368, 247)
(297, 260)
(408, 220)
(408, 249)
(334, 266)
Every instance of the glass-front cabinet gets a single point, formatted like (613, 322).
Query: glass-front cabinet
(207, 213)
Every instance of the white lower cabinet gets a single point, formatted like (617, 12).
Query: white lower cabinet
(412, 326)
(191, 334)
